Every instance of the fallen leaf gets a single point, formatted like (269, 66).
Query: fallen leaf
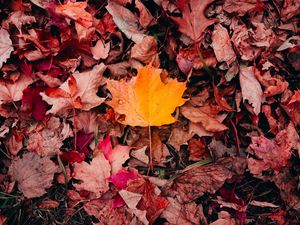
(76, 11)
(33, 174)
(93, 176)
(200, 115)
(5, 46)
(146, 51)
(193, 21)
(12, 92)
(121, 178)
(145, 100)
(187, 214)
(208, 178)
(116, 156)
(224, 219)
(48, 204)
(151, 201)
(273, 153)
(221, 44)
(100, 50)
(251, 89)
(81, 94)
(292, 107)
(48, 141)
(126, 21)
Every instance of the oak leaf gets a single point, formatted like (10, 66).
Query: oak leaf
(5, 46)
(33, 174)
(79, 91)
(146, 100)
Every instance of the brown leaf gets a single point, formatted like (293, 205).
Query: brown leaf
(193, 21)
(187, 214)
(145, 51)
(178, 137)
(86, 95)
(292, 107)
(251, 89)
(201, 115)
(93, 176)
(100, 50)
(48, 204)
(209, 178)
(33, 174)
(287, 186)
(126, 21)
(224, 219)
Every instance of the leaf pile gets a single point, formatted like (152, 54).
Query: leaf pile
(149, 112)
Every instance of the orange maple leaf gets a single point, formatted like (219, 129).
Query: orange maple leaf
(145, 100)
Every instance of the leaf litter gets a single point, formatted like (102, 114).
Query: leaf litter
(149, 112)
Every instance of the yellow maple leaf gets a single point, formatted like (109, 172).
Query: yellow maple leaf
(145, 100)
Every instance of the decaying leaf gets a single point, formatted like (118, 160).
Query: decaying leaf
(33, 174)
(202, 179)
(146, 100)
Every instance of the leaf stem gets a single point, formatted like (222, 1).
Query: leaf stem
(150, 152)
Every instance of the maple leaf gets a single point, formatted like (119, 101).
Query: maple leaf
(33, 174)
(193, 21)
(273, 153)
(5, 46)
(116, 156)
(11, 92)
(93, 176)
(79, 91)
(146, 100)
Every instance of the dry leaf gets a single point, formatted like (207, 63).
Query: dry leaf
(187, 214)
(75, 11)
(5, 46)
(93, 176)
(199, 115)
(221, 44)
(193, 21)
(126, 21)
(146, 100)
(251, 89)
(100, 50)
(79, 91)
(33, 174)
(208, 178)
(11, 92)
(273, 153)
